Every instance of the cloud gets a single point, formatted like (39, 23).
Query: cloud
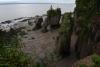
(50, 1)
(8, 0)
(40, 1)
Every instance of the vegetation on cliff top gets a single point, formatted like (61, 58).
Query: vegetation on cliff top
(84, 12)
(10, 54)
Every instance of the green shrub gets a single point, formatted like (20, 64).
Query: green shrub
(96, 60)
(66, 24)
(82, 65)
(52, 12)
(10, 53)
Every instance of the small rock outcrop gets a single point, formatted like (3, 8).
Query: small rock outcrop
(38, 21)
(6, 22)
(52, 20)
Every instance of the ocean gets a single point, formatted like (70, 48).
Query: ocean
(13, 11)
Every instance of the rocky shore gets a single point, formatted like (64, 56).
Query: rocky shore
(15, 23)
(40, 37)
(57, 40)
(37, 34)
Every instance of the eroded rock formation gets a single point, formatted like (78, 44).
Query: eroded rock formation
(64, 38)
(38, 21)
(52, 20)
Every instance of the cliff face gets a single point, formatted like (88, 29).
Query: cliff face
(65, 32)
(96, 33)
(88, 34)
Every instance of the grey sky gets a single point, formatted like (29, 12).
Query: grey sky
(39, 1)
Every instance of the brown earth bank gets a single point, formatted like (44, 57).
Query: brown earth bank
(38, 43)
(41, 45)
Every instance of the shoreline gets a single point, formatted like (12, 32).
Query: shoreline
(17, 22)
(17, 18)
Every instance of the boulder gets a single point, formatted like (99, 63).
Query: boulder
(6, 22)
(38, 21)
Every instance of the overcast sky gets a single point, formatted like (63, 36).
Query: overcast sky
(38, 1)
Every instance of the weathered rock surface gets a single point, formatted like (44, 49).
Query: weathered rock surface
(54, 22)
(45, 25)
(87, 25)
(38, 21)
(64, 39)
